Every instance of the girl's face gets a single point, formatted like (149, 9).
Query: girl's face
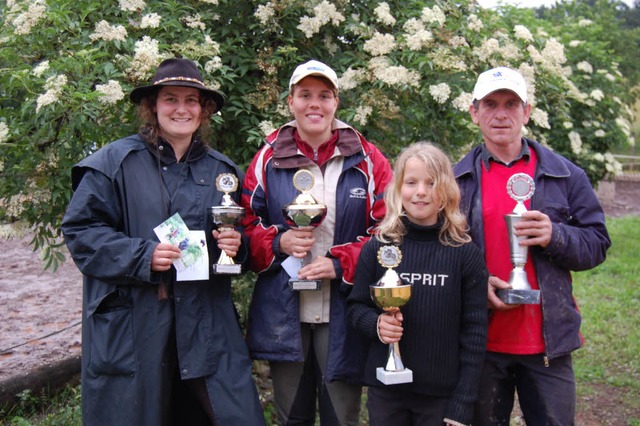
(419, 199)
(179, 113)
(313, 105)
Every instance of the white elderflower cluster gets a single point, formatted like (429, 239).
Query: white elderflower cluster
(567, 125)
(576, 142)
(553, 53)
(599, 133)
(585, 22)
(457, 41)
(474, 23)
(445, 59)
(25, 21)
(105, 31)
(383, 14)
(53, 87)
(435, 15)
(522, 33)
(213, 2)
(488, 48)
(463, 101)
(146, 57)
(265, 13)
(213, 64)
(440, 92)
(4, 132)
(330, 45)
(380, 44)
(393, 75)
(266, 127)
(575, 43)
(350, 79)
(362, 114)
(194, 21)
(131, 5)
(597, 94)
(40, 69)
(585, 67)
(540, 117)
(150, 20)
(417, 36)
(110, 93)
(325, 12)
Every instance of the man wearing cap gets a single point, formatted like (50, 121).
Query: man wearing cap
(315, 357)
(529, 345)
(159, 347)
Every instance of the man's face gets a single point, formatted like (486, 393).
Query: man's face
(501, 116)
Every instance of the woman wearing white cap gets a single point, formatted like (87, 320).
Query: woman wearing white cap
(158, 348)
(314, 355)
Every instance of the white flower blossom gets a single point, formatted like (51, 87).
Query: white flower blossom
(463, 101)
(380, 44)
(575, 43)
(541, 118)
(440, 92)
(474, 23)
(553, 52)
(435, 15)
(383, 14)
(110, 93)
(393, 75)
(265, 13)
(576, 142)
(4, 132)
(53, 87)
(523, 33)
(349, 79)
(266, 127)
(325, 12)
(40, 69)
(598, 156)
(194, 21)
(146, 58)
(458, 41)
(213, 64)
(567, 125)
(584, 66)
(585, 22)
(105, 31)
(597, 94)
(489, 47)
(24, 22)
(599, 133)
(131, 5)
(150, 20)
(213, 2)
(362, 113)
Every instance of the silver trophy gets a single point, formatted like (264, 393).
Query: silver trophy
(390, 293)
(226, 216)
(520, 187)
(304, 212)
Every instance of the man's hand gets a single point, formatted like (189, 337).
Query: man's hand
(228, 240)
(536, 226)
(493, 301)
(297, 242)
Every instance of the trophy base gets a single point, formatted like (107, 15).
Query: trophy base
(297, 285)
(519, 297)
(221, 269)
(394, 377)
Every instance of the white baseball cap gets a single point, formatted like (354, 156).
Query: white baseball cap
(316, 68)
(501, 78)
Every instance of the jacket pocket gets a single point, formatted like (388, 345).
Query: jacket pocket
(558, 213)
(111, 331)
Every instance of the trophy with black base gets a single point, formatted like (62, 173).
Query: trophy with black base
(520, 187)
(226, 216)
(304, 212)
(390, 293)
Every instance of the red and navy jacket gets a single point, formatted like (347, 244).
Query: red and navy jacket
(274, 323)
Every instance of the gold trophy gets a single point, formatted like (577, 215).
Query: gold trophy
(304, 212)
(520, 187)
(390, 293)
(226, 216)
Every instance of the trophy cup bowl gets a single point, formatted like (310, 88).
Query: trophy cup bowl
(390, 294)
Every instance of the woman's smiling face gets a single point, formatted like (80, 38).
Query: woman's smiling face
(179, 113)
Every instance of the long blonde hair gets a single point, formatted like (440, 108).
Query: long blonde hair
(454, 223)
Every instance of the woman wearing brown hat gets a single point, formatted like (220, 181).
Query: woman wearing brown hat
(159, 346)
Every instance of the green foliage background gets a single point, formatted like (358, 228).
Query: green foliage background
(249, 55)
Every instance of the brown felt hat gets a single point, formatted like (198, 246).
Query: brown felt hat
(177, 72)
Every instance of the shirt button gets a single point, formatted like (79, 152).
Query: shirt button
(164, 168)
(201, 180)
(317, 318)
(161, 148)
(185, 371)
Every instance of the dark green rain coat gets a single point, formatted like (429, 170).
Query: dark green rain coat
(127, 331)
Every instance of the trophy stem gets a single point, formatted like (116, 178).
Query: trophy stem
(394, 362)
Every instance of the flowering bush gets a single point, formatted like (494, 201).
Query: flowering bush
(407, 71)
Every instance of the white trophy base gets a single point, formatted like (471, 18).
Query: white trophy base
(297, 285)
(394, 377)
(233, 269)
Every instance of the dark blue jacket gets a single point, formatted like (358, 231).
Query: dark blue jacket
(579, 238)
(127, 332)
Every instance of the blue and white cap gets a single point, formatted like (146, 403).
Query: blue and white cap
(501, 78)
(316, 68)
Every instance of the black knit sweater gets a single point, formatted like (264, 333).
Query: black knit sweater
(445, 321)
